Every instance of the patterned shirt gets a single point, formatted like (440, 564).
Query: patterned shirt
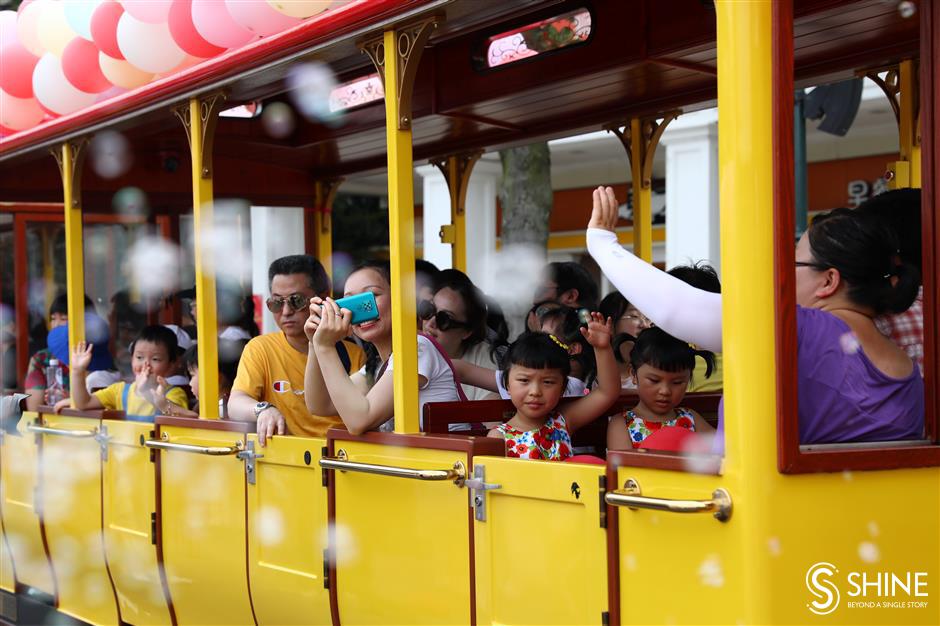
(907, 330)
(550, 442)
(36, 374)
(639, 428)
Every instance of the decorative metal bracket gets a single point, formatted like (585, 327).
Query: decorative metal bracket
(457, 169)
(74, 177)
(410, 41)
(891, 86)
(323, 195)
(651, 131)
(209, 108)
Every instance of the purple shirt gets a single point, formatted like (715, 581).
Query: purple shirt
(842, 396)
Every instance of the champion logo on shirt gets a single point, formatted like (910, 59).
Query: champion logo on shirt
(281, 386)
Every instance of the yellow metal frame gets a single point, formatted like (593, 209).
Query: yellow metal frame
(323, 195)
(457, 170)
(199, 118)
(71, 156)
(909, 123)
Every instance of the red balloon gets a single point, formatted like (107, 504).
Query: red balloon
(81, 68)
(185, 34)
(16, 69)
(104, 23)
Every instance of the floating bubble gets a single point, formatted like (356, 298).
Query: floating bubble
(849, 343)
(773, 545)
(111, 154)
(344, 548)
(710, 572)
(131, 202)
(277, 119)
(524, 263)
(873, 529)
(907, 9)
(629, 562)
(869, 552)
(270, 523)
(847, 476)
(698, 449)
(152, 267)
(310, 86)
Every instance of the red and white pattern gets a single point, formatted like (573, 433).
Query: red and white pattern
(907, 330)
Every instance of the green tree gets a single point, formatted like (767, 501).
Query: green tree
(526, 195)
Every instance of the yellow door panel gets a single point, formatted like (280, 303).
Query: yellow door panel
(129, 501)
(203, 525)
(401, 546)
(287, 533)
(18, 473)
(70, 473)
(680, 568)
(542, 526)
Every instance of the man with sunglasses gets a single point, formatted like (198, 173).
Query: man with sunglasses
(562, 283)
(269, 386)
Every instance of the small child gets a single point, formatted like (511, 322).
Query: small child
(153, 356)
(230, 352)
(662, 367)
(535, 373)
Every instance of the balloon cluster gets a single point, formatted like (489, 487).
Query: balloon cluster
(60, 56)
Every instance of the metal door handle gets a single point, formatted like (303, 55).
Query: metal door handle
(60, 432)
(457, 474)
(631, 497)
(185, 447)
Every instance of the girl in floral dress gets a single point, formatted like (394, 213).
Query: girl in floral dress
(535, 373)
(662, 367)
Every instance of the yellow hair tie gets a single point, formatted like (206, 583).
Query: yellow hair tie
(561, 345)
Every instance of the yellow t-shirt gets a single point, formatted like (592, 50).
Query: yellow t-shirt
(111, 398)
(271, 370)
(715, 382)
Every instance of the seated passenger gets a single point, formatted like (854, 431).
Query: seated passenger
(563, 282)
(701, 275)
(628, 322)
(363, 400)
(538, 366)
(229, 354)
(662, 368)
(152, 358)
(854, 384)
(566, 324)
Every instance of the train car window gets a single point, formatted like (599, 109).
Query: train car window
(356, 93)
(560, 31)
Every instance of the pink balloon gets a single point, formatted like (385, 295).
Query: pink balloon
(110, 93)
(150, 11)
(19, 113)
(214, 23)
(104, 22)
(259, 17)
(54, 93)
(81, 68)
(185, 34)
(16, 69)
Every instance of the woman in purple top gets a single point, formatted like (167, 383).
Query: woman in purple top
(854, 383)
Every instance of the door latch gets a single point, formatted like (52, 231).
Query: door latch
(478, 488)
(248, 455)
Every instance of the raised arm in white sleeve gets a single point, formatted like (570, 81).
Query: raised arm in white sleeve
(680, 309)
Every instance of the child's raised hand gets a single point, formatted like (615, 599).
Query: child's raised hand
(310, 326)
(144, 382)
(81, 357)
(605, 211)
(598, 331)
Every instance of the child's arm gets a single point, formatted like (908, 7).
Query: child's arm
(81, 359)
(472, 374)
(701, 426)
(166, 406)
(585, 410)
(495, 434)
(617, 436)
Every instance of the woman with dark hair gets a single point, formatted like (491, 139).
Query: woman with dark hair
(456, 317)
(628, 323)
(854, 384)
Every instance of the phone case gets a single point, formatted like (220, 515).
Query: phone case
(362, 305)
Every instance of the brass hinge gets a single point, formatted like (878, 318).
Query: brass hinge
(326, 566)
(153, 528)
(602, 489)
(153, 452)
(605, 618)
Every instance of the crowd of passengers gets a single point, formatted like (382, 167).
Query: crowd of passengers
(859, 343)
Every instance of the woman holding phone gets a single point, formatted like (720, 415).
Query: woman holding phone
(363, 400)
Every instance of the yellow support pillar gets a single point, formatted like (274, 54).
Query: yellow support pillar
(457, 169)
(908, 122)
(640, 137)
(396, 56)
(199, 118)
(70, 156)
(320, 229)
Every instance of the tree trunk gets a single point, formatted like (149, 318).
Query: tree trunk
(526, 196)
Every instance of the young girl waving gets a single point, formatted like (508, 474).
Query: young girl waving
(535, 373)
(662, 367)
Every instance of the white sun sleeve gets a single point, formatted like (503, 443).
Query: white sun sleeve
(680, 309)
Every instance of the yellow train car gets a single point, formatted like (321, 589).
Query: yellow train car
(190, 521)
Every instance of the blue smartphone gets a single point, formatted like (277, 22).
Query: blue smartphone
(362, 305)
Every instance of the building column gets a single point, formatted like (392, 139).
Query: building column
(480, 216)
(692, 189)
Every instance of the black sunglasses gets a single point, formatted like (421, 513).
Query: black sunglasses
(442, 319)
(295, 301)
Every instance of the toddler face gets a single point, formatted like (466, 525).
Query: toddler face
(661, 391)
(535, 392)
(151, 354)
(194, 380)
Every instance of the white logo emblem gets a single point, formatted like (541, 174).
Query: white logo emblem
(823, 589)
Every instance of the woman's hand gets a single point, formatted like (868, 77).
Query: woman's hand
(334, 325)
(598, 332)
(310, 326)
(605, 213)
(81, 357)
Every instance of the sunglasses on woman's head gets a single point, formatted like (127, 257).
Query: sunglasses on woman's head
(442, 319)
(295, 301)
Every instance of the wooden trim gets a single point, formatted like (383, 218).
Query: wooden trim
(158, 510)
(709, 465)
(331, 530)
(613, 549)
(38, 495)
(231, 426)
(97, 414)
(104, 543)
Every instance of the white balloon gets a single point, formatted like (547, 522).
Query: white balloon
(78, 14)
(7, 26)
(19, 113)
(54, 91)
(149, 47)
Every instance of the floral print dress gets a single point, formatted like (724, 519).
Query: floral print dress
(639, 428)
(550, 442)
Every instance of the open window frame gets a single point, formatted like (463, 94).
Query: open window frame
(791, 459)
